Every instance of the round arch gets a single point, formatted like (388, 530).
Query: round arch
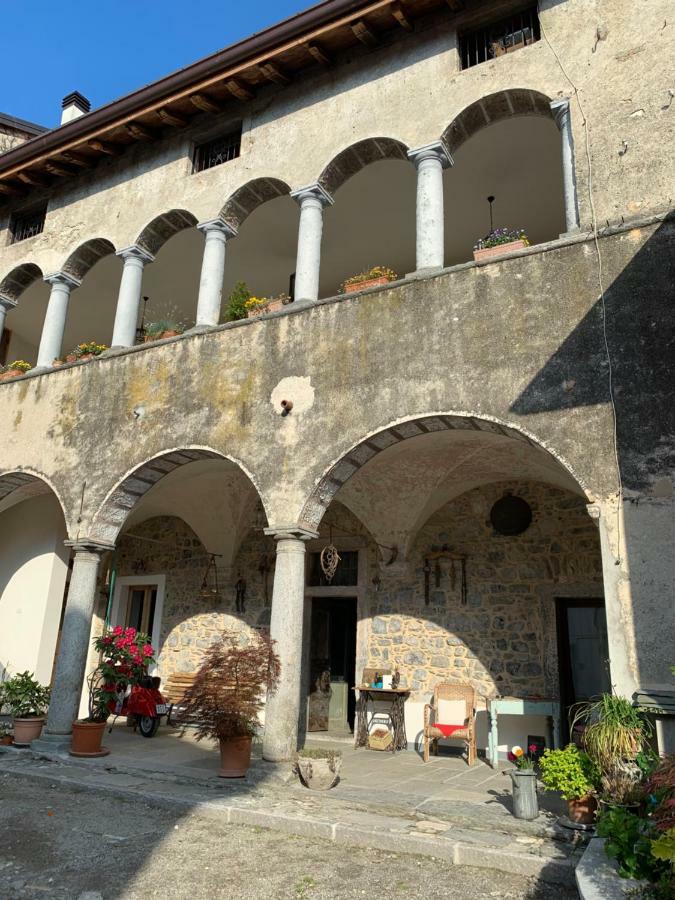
(163, 227)
(356, 157)
(494, 108)
(20, 278)
(17, 485)
(247, 198)
(85, 257)
(350, 461)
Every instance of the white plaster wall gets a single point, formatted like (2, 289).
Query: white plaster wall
(33, 568)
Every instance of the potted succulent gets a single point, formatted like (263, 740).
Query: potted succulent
(319, 769)
(226, 696)
(370, 278)
(28, 702)
(524, 781)
(258, 306)
(499, 241)
(14, 369)
(84, 351)
(125, 656)
(572, 772)
(163, 328)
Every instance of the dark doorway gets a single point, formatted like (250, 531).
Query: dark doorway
(583, 653)
(332, 665)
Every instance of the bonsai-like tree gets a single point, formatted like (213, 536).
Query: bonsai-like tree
(227, 695)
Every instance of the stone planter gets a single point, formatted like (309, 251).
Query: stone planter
(27, 730)
(499, 250)
(582, 810)
(235, 757)
(319, 774)
(369, 283)
(87, 738)
(525, 804)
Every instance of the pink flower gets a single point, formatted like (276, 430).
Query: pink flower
(133, 649)
(533, 748)
(511, 756)
(147, 650)
(118, 630)
(107, 640)
(130, 633)
(137, 660)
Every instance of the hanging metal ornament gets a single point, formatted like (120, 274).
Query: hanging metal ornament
(210, 590)
(330, 559)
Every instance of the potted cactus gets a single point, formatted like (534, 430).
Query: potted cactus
(28, 702)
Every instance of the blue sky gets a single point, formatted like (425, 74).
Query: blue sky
(107, 49)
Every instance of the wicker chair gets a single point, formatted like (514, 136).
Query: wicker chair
(467, 734)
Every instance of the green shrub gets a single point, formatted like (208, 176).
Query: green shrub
(629, 840)
(236, 308)
(570, 771)
(25, 696)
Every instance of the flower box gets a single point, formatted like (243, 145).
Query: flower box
(11, 373)
(499, 250)
(369, 283)
(272, 305)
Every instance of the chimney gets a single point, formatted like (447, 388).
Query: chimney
(74, 106)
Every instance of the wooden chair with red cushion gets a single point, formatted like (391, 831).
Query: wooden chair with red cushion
(451, 715)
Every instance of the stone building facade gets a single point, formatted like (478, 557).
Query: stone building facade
(388, 421)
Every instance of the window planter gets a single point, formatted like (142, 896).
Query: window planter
(11, 373)
(499, 250)
(368, 283)
(272, 305)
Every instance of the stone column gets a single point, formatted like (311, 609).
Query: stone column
(282, 710)
(129, 297)
(5, 306)
(51, 340)
(430, 161)
(312, 200)
(216, 233)
(74, 645)
(561, 114)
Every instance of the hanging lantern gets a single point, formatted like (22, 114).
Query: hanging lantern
(209, 589)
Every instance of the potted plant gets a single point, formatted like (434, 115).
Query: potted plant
(572, 772)
(14, 369)
(84, 351)
(499, 241)
(125, 657)
(226, 696)
(28, 702)
(258, 306)
(236, 302)
(524, 781)
(163, 328)
(5, 733)
(319, 769)
(372, 277)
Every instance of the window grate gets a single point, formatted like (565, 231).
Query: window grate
(505, 36)
(218, 151)
(28, 224)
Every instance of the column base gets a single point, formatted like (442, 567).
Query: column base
(52, 743)
(424, 272)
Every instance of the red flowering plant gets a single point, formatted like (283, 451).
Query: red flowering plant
(522, 759)
(125, 655)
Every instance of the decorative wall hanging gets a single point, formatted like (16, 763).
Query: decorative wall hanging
(240, 595)
(330, 559)
(511, 515)
(455, 559)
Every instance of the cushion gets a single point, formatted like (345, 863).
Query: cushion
(451, 712)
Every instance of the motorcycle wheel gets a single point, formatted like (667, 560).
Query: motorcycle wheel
(148, 725)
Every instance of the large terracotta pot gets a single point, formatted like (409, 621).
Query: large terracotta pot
(86, 739)
(235, 757)
(369, 283)
(499, 250)
(27, 730)
(582, 810)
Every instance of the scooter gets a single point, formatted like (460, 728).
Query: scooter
(145, 705)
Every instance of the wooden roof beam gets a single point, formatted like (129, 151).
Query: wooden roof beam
(319, 54)
(105, 147)
(76, 159)
(204, 103)
(274, 73)
(364, 34)
(171, 118)
(55, 168)
(33, 179)
(9, 190)
(455, 5)
(399, 14)
(140, 132)
(239, 90)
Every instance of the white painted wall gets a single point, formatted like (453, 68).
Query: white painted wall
(33, 569)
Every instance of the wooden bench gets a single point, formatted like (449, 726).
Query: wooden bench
(177, 685)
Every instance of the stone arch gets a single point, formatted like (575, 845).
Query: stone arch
(123, 497)
(349, 462)
(156, 233)
(85, 257)
(20, 278)
(249, 197)
(494, 108)
(356, 157)
(21, 484)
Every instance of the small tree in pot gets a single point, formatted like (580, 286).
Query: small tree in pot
(572, 772)
(227, 696)
(28, 701)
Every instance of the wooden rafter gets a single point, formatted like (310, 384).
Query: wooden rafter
(76, 159)
(364, 34)
(33, 179)
(105, 147)
(274, 73)
(239, 90)
(171, 118)
(140, 132)
(9, 190)
(59, 169)
(206, 104)
(401, 17)
(455, 5)
(319, 54)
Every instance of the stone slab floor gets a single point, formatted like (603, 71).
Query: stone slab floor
(83, 846)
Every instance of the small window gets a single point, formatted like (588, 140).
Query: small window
(346, 574)
(28, 223)
(496, 39)
(218, 151)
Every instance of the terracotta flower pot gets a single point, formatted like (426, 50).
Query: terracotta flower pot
(319, 774)
(362, 285)
(27, 730)
(149, 338)
(271, 306)
(582, 809)
(500, 249)
(86, 739)
(6, 740)
(71, 358)
(235, 757)
(86, 356)
(11, 373)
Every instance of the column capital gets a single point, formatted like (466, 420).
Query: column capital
(437, 150)
(7, 304)
(135, 252)
(312, 192)
(291, 533)
(560, 110)
(64, 279)
(218, 225)
(593, 510)
(88, 545)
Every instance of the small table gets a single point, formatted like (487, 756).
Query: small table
(520, 706)
(396, 697)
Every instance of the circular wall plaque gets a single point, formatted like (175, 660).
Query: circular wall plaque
(511, 515)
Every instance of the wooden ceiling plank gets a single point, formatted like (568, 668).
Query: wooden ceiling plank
(319, 54)
(364, 34)
(239, 90)
(401, 17)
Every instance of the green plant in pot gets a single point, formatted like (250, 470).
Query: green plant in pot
(572, 772)
(28, 702)
(236, 308)
(227, 696)
(163, 328)
(319, 769)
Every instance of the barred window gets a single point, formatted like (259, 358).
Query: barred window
(28, 223)
(504, 36)
(218, 151)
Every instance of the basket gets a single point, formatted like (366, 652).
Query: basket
(380, 739)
